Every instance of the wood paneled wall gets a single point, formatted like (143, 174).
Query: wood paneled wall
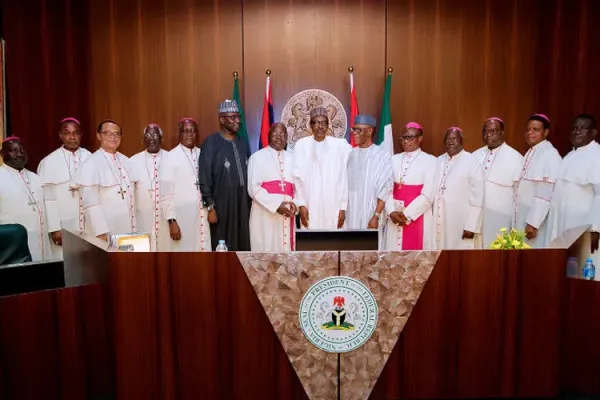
(455, 62)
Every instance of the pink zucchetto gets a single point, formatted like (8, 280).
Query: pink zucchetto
(8, 139)
(70, 119)
(413, 125)
(542, 116)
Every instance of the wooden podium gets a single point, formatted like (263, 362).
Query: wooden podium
(190, 326)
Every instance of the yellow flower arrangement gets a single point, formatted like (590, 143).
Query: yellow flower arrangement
(509, 240)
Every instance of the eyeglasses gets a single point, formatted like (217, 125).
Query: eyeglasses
(111, 134)
(189, 131)
(408, 138)
(358, 130)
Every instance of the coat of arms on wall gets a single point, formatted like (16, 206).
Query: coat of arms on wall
(296, 114)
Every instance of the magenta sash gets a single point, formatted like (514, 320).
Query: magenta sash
(412, 234)
(275, 187)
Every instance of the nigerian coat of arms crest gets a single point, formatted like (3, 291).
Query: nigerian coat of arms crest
(296, 114)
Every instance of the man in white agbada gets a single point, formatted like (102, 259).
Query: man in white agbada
(576, 199)
(458, 201)
(370, 179)
(146, 167)
(107, 186)
(57, 171)
(22, 201)
(272, 191)
(321, 175)
(181, 199)
(501, 167)
(409, 208)
(535, 185)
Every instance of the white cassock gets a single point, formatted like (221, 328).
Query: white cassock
(458, 202)
(146, 168)
(501, 168)
(369, 179)
(181, 200)
(56, 172)
(534, 190)
(22, 202)
(107, 192)
(576, 198)
(414, 188)
(321, 179)
(270, 184)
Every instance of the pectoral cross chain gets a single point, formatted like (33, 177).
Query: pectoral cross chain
(32, 203)
(122, 193)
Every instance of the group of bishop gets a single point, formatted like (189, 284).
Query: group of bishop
(190, 198)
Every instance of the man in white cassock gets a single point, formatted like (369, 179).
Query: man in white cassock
(321, 175)
(501, 167)
(272, 191)
(57, 171)
(146, 167)
(535, 185)
(181, 199)
(458, 200)
(370, 179)
(576, 199)
(22, 201)
(409, 207)
(107, 186)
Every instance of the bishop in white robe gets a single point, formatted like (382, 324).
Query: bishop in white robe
(458, 202)
(409, 208)
(270, 185)
(576, 199)
(108, 186)
(321, 175)
(181, 198)
(146, 167)
(22, 201)
(57, 171)
(535, 185)
(501, 167)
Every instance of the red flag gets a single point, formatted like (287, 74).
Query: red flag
(267, 116)
(353, 107)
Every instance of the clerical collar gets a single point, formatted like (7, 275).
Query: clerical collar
(11, 169)
(69, 151)
(412, 153)
(153, 154)
(109, 154)
(497, 148)
(456, 155)
(587, 146)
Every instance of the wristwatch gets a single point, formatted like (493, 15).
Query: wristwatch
(376, 214)
(170, 221)
(211, 207)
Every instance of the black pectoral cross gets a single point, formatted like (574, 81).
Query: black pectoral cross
(197, 184)
(122, 193)
(443, 189)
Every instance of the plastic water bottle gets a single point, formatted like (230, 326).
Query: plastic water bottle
(221, 246)
(572, 267)
(589, 271)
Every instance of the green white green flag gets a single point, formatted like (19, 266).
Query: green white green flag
(384, 130)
